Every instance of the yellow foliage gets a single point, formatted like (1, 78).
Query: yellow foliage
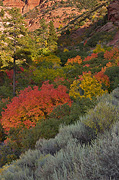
(98, 49)
(88, 84)
(49, 59)
(66, 50)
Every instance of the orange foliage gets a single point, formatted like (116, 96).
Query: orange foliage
(113, 54)
(76, 59)
(93, 55)
(109, 64)
(102, 78)
(32, 104)
(86, 65)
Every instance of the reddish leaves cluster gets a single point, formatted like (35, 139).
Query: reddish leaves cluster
(102, 78)
(92, 56)
(10, 72)
(76, 59)
(31, 105)
(86, 65)
(113, 54)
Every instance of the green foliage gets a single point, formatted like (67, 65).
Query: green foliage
(100, 36)
(3, 103)
(42, 33)
(5, 91)
(49, 127)
(52, 37)
(113, 74)
(64, 56)
(69, 150)
(8, 153)
(14, 31)
(1, 3)
(72, 154)
(87, 4)
(2, 13)
(105, 114)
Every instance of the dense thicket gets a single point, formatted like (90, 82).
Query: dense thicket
(77, 152)
(63, 122)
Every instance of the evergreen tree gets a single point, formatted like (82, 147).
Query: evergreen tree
(13, 34)
(42, 34)
(52, 39)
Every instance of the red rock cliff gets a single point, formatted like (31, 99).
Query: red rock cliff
(24, 7)
(30, 5)
(14, 3)
(113, 12)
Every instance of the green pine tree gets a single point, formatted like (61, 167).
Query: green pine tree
(52, 38)
(13, 34)
(42, 34)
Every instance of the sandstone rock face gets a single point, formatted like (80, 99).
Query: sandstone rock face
(30, 5)
(24, 7)
(113, 12)
(14, 3)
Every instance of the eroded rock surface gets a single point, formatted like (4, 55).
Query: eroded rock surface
(113, 12)
(24, 6)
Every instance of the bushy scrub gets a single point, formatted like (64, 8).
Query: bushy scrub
(113, 74)
(32, 105)
(100, 36)
(46, 128)
(49, 128)
(105, 114)
(64, 56)
(87, 86)
(76, 152)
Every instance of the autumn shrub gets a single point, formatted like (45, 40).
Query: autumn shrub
(64, 56)
(73, 154)
(76, 60)
(87, 86)
(112, 54)
(103, 79)
(46, 128)
(61, 81)
(3, 103)
(46, 68)
(49, 128)
(68, 157)
(32, 105)
(25, 139)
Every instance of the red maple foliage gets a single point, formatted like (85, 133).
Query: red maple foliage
(10, 72)
(74, 60)
(32, 105)
(113, 54)
(102, 78)
(92, 56)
